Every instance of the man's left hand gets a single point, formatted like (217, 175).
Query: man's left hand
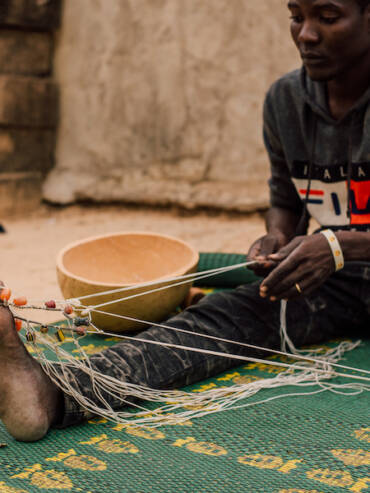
(303, 265)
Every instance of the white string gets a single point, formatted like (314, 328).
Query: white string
(161, 288)
(210, 401)
(193, 275)
(286, 342)
(293, 355)
(233, 356)
(170, 395)
(306, 358)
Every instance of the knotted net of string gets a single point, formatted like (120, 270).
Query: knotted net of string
(311, 367)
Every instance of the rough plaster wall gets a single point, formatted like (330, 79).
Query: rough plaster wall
(161, 100)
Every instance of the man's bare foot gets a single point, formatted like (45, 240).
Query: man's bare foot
(29, 401)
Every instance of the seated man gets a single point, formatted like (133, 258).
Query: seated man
(316, 129)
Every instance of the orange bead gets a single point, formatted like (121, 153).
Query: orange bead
(68, 309)
(18, 324)
(5, 294)
(20, 301)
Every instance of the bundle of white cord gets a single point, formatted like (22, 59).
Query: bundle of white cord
(315, 367)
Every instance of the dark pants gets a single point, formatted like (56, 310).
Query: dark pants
(340, 307)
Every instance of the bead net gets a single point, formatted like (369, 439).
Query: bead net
(306, 368)
(319, 442)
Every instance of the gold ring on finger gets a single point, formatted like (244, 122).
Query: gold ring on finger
(298, 288)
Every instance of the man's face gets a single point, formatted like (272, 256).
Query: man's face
(332, 36)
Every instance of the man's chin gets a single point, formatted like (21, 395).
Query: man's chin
(318, 75)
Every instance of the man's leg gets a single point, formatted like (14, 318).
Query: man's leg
(30, 403)
(240, 315)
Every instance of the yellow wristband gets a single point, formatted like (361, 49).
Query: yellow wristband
(335, 248)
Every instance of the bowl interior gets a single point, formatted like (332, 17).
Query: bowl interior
(129, 258)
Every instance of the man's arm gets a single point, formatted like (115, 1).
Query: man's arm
(286, 206)
(282, 222)
(355, 245)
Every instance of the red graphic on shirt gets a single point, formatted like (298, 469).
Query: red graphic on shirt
(360, 202)
(314, 196)
(303, 191)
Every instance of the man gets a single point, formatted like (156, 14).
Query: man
(317, 134)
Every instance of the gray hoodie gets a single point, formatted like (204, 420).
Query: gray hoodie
(318, 162)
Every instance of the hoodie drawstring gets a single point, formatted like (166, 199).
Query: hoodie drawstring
(349, 169)
(303, 221)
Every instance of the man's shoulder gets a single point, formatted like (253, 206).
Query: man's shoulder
(289, 86)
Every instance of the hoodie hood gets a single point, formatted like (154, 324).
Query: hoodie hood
(315, 95)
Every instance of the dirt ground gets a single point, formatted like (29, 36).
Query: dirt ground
(31, 243)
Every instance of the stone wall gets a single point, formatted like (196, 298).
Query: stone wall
(28, 100)
(161, 100)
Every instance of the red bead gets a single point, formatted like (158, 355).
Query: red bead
(18, 324)
(50, 304)
(20, 301)
(68, 309)
(81, 331)
(5, 294)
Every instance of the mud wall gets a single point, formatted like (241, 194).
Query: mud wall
(161, 100)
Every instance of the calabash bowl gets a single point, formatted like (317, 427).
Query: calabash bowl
(125, 260)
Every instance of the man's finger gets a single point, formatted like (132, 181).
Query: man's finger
(261, 269)
(279, 277)
(294, 291)
(268, 246)
(254, 250)
(286, 250)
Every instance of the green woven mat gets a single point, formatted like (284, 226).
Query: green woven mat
(230, 279)
(318, 443)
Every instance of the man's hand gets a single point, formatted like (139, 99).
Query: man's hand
(281, 226)
(304, 264)
(262, 249)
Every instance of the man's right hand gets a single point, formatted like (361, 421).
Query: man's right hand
(261, 249)
(281, 225)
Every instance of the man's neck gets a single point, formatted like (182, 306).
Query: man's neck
(344, 91)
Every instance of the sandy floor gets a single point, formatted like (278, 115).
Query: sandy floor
(30, 246)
